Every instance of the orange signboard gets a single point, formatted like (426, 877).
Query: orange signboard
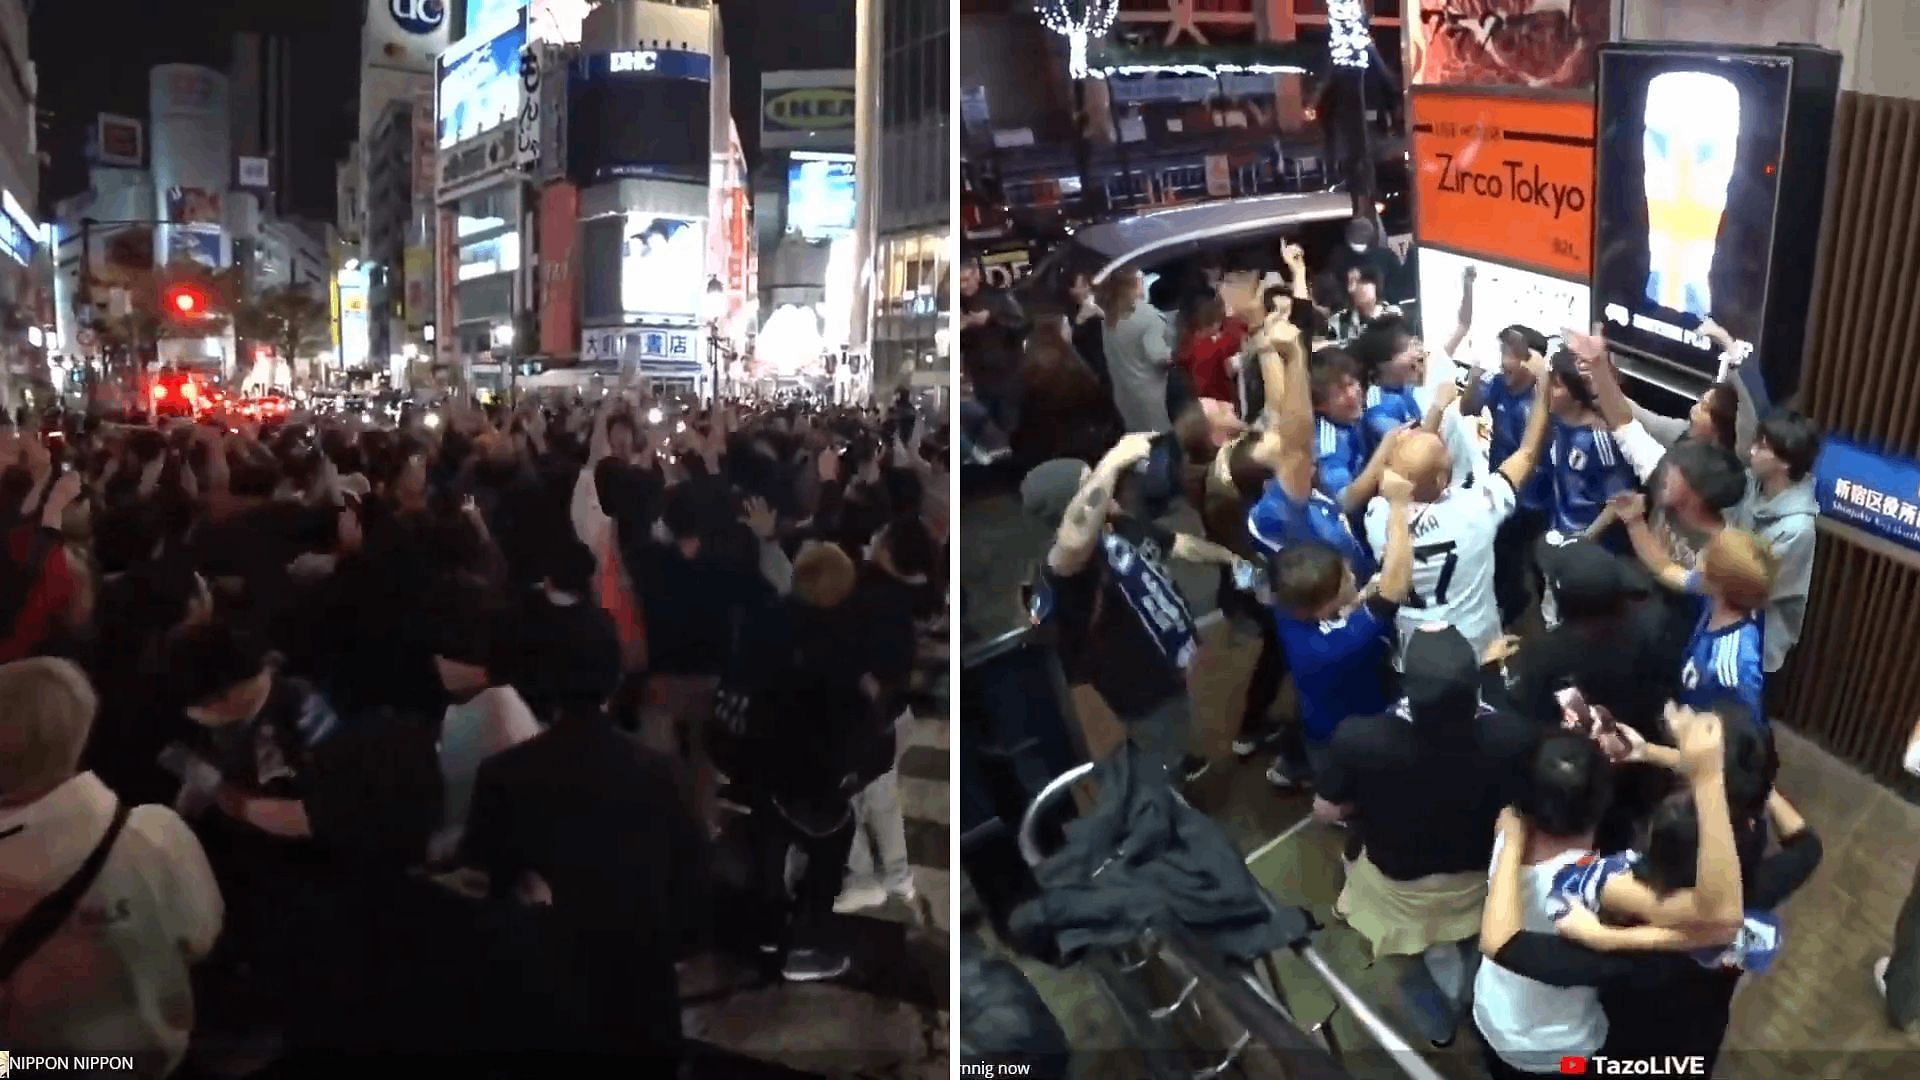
(1507, 179)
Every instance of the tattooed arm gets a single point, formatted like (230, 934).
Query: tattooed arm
(1087, 514)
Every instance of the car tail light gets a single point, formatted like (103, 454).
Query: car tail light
(159, 391)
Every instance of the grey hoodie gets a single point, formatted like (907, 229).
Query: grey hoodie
(1786, 523)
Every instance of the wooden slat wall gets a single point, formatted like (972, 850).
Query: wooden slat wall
(1854, 676)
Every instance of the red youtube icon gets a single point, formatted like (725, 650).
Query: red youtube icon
(1573, 1066)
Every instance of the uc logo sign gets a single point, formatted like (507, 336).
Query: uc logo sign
(418, 16)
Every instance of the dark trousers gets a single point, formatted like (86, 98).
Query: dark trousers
(1515, 573)
(1269, 671)
(796, 918)
(1903, 974)
(1500, 1070)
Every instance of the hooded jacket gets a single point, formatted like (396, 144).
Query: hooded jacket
(1786, 523)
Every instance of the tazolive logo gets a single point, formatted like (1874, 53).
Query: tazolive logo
(418, 16)
(1667, 1065)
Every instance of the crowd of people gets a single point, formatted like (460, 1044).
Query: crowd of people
(1530, 624)
(460, 732)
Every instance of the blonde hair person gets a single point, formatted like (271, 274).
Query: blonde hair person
(823, 575)
(46, 713)
(1726, 656)
(1740, 568)
(89, 885)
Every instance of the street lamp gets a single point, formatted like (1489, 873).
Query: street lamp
(714, 310)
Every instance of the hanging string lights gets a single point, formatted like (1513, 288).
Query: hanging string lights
(1348, 37)
(1079, 21)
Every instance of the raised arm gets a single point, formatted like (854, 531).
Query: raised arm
(1715, 899)
(1460, 331)
(1519, 466)
(1396, 569)
(1446, 395)
(1746, 416)
(1087, 515)
(1643, 448)
(1295, 257)
(1288, 448)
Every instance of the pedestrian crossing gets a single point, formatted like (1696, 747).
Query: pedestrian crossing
(888, 1016)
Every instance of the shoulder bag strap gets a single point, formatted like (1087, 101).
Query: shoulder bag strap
(46, 917)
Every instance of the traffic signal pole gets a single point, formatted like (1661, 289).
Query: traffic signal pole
(83, 296)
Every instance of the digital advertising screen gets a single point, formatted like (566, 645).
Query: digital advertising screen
(1537, 44)
(480, 84)
(482, 14)
(1687, 191)
(820, 195)
(643, 267)
(1503, 296)
(644, 114)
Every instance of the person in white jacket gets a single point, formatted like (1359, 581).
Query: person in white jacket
(113, 976)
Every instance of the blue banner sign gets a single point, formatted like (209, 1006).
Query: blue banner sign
(1869, 491)
(660, 63)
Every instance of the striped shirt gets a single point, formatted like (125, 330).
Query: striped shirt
(1348, 324)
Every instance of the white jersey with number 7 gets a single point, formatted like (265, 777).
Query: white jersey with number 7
(1452, 559)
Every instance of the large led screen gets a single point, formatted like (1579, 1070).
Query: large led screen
(1503, 296)
(820, 196)
(480, 84)
(1537, 44)
(641, 267)
(645, 114)
(1687, 190)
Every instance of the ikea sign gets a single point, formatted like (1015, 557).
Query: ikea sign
(809, 109)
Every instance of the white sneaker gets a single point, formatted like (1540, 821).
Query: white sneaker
(906, 894)
(859, 898)
(1880, 974)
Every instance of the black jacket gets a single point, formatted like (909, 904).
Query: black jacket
(1144, 858)
(809, 725)
(605, 823)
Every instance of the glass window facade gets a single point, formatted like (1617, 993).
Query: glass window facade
(912, 248)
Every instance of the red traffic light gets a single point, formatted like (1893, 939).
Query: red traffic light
(185, 300)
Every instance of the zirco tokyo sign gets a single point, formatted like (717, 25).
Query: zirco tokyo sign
(1507, 179)
(418, 16)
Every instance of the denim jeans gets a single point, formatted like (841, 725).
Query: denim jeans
(879, 827)
(1439, 987)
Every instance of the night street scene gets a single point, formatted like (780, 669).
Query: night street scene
(1438, 551)
(476, 476)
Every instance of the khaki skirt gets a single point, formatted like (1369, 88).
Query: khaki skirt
(1403, 918)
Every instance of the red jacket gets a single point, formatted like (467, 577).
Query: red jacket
(1205, 356)
(47, 599)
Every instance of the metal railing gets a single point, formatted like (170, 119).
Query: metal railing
(1236, 992)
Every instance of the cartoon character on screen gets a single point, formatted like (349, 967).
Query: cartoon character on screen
(1692, 139)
